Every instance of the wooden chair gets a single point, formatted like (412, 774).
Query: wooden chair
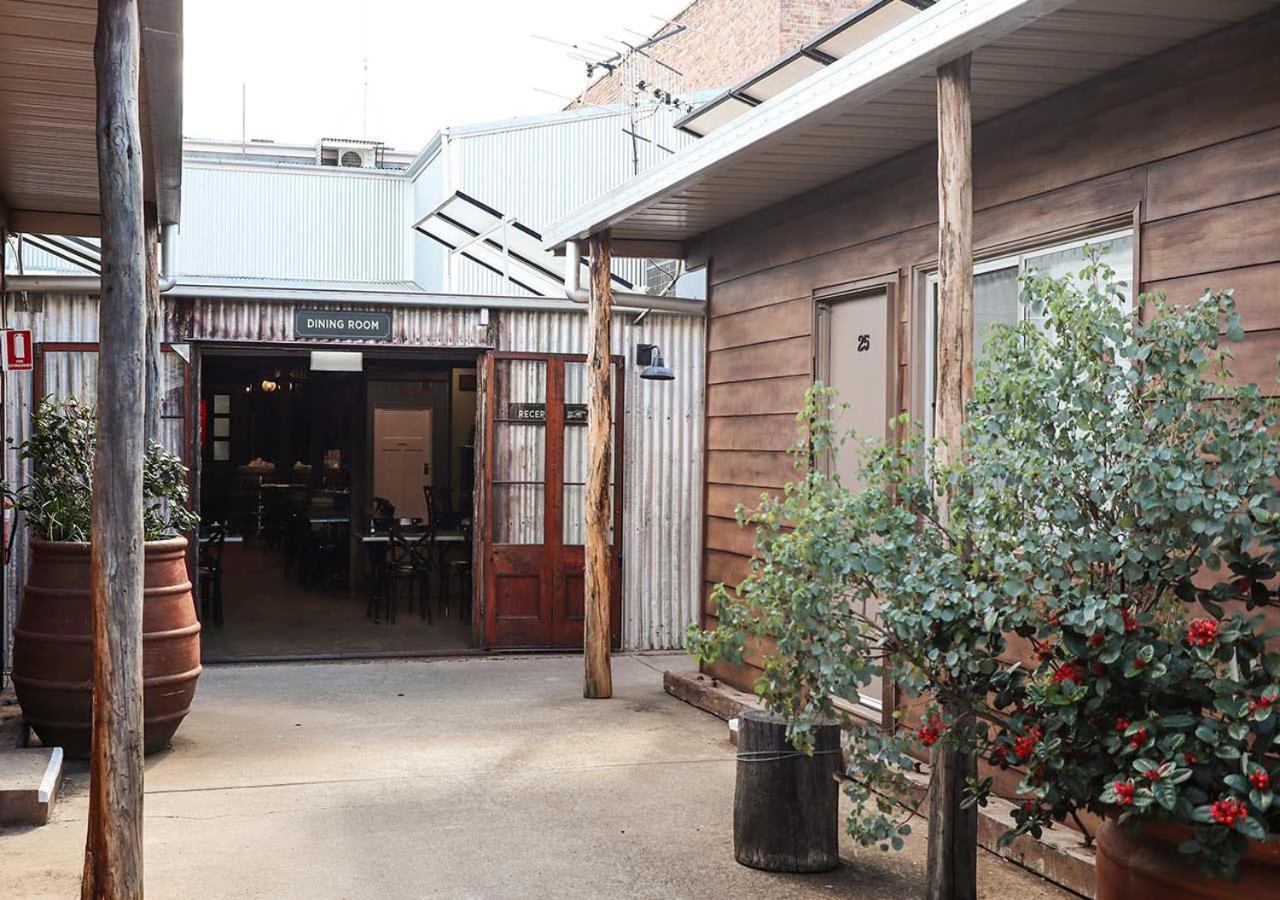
(210, 572)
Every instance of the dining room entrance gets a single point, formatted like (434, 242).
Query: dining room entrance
(336, 498)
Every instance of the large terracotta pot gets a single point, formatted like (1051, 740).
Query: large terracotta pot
(1149, 867)
(53, 645)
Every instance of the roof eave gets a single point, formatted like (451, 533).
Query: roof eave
(936, 36)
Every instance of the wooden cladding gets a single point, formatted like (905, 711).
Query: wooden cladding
(1186, 145)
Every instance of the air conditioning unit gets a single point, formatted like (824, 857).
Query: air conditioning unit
(660, 275)
(356, 158)
(348, 154)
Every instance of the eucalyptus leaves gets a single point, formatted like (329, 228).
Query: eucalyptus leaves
(57, 500)
(1113, 473)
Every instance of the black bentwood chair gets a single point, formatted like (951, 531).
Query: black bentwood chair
(210, 572)
(407, 571)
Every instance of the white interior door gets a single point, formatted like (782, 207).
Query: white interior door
(402, 458)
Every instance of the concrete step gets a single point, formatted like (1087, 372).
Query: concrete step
(29, 782)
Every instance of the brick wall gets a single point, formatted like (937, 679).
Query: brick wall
(725, 41)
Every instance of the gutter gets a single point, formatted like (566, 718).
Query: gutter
(326, 297)
(92, 284)
(574, 290)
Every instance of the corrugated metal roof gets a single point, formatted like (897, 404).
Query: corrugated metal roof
(880, 102)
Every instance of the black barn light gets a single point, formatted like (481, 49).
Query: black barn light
(650, 356)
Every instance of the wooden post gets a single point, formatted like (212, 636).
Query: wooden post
(598, 681)
(152, 366)
(953, 830)
(113, 849)
(153, 332)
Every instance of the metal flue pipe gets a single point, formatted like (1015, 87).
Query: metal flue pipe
(92, 284)
(574, 290)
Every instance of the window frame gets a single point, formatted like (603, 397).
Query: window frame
(994, 261)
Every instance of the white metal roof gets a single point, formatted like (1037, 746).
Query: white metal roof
(499, 243)
(879, 102)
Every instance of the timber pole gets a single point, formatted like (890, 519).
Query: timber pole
(953, 829)
(113, 848)
(598, 680)
(152, 363)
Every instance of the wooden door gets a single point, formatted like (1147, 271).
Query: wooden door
(402, 458)
(855, 357)
(535, 470)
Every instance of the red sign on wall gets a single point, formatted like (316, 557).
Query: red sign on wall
(19, 352)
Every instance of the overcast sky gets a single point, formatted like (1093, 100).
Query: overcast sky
(431, 62)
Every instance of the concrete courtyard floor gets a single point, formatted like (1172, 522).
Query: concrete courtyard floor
(453, 778)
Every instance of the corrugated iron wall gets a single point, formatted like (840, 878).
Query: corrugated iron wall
(662, 465)
(272, 321)
(301, 223)
(662, 500)
(65, 373)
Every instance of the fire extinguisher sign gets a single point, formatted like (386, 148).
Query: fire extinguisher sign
(19, 352)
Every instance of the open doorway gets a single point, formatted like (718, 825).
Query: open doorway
(336, 503)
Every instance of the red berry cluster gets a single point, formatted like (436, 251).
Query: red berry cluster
(1138, 739)
(1152, 775)
(1228, 812)
(1122, 724)
(1130, 621)
(1261, 703)
(1024, 746)
(1068, 671)
(1202, 632)
(1124, 792)
(1260, 779)
(930, 731)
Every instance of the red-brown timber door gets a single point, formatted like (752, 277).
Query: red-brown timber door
(535, 473)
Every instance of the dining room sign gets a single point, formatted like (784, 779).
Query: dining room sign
(341, 324)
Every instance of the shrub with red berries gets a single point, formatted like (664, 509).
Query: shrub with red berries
(1202, 632)
(1114, 506)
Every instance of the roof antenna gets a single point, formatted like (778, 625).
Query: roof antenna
(364, 104)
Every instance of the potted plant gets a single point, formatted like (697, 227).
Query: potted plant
(53, 644)
(1152, 703)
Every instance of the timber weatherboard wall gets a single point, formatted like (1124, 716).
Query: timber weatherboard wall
(1186, 145)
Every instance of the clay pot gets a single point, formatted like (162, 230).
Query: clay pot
(1149, 867)
(53, 645)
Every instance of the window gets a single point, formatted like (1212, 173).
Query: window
(995, 293)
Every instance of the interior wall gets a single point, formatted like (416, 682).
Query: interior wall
(1187, 144)
(426, 391)
(463, 427)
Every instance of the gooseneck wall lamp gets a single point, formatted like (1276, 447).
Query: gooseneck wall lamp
(650, 356)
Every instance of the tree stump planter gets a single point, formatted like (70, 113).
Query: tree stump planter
(53, 645)
(786, 814)
(1149, 867)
